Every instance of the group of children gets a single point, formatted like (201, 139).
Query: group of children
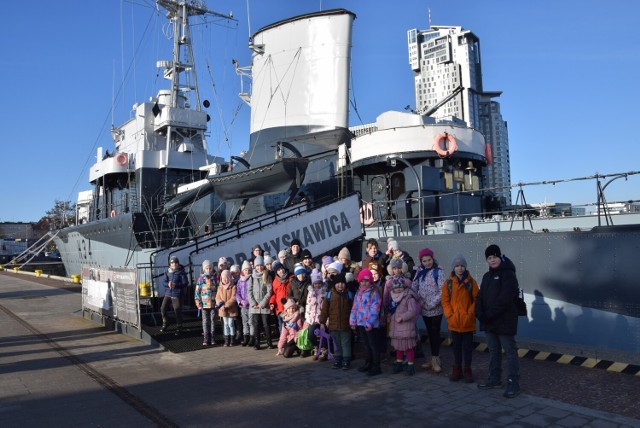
(376, 302)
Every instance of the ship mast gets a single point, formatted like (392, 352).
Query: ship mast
(178, 13)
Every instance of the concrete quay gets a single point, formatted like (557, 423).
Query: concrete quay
(58, 369)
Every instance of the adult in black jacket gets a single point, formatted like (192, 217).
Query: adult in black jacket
(498, 316)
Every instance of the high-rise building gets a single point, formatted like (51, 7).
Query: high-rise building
(447, 71)
(444, 59)
(496, 134)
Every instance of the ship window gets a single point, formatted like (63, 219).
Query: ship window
(397, 185)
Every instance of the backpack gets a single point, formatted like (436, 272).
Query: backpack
(468, 286)
(304, 342)
(349, 294)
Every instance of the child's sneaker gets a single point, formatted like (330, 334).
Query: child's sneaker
(346, 365)
(337, 363)
(411, 370)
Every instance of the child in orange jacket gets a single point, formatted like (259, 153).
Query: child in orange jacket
(459, 305)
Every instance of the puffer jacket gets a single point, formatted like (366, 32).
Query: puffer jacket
(496, 301)
(205, 292)
(336, 310)
(242, 291)
(365, 311)
(180, 280)
(429, 290)
(402, 323)
(315, 301)
(259, 294)
(280, 291)
(460, 307)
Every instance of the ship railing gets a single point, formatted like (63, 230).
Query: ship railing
(401, 217)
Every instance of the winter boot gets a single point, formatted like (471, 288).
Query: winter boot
(337, 363)
(323, 355)
(468, 375)
(435, 364)
(314, 354)
(513, 388)
(232, 340)
(245, 340)
(256, 344)
(238, 338)
(456, 373)
(178, 329)
(411, 369)
(490, 384)
(164, 327)
(346, 363)
(252, 341)
(397, 367)
(206, 341)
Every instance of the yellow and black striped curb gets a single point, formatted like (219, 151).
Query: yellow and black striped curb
(591, 363)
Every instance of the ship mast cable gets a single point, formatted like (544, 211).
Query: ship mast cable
(353, 102)
(106, 119)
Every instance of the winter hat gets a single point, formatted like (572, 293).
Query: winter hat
(349, 277)
(225, 276)
(396, 263)
(459, 260)
(425, 252)
(290, 303)
(375, 266)
(365, 274)
(492, 250)
(296, 242)
(344, 254)
(267, 260)
(392, 245)
(306, 254)
(246, 265)
(403, 265)
(222, 261)
(206, 264)
(335, 267)
(235, 268)
(276, 266)
(258, 261)
(337, 278)
(326, 260)
(173, 259)
(282, 253)
(298, 269)
(316, 276)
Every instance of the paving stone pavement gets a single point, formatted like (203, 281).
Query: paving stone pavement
(58, 369)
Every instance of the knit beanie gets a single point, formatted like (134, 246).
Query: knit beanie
(335, 267)
(306, 254)
(296, 242)
(298, 269)
(267, 260)
(222, 261)
(282, 254)
(459, 260)
(492, 250)
(425, 252)
(337, 278)
(396, 263)
(326, 260)
(206, 264)
(276, 266)
(365, 274)
(392, 245)
(316, 276)
(258, 261)
(246, 265)
(344, 254)
(235, 268)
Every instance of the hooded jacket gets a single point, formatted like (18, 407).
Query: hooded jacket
(460, 307)
(496, 301)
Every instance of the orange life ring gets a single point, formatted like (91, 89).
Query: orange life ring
(453, 145)
(488, 154)
(113, 213)
(121, 159)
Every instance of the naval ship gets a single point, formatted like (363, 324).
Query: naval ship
(307, 175)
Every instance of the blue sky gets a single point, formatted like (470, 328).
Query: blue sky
(568, 71)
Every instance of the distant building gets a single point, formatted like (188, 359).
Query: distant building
(17, 230)
(496, 134)
(443, 58)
